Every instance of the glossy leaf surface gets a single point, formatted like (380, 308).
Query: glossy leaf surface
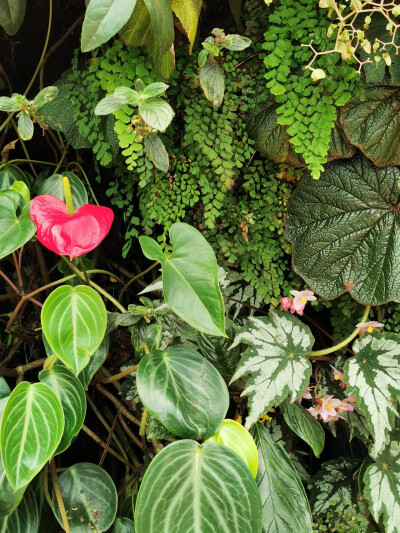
(183, 391)
(9, 174)
(95, 362)
(74, 321)
(189, 488)
(12, 13)
(212, 81)
(276, 361)
(15, 230)
(304, 425)
(9, 497)
(54, 186)
(25, 518)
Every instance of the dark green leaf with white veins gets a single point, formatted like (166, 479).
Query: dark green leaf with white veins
(373, 377)
(31, 429)
(25, 518)
(15, 230)
(54, 186)
(70, 392)
(9, 497)
(284, 501)
(190, 278)
(345, 231)
(156, 113)
(276, 361)
(156, 151)
(212, 81)
(74, 321)
(90, 498)
(95, 362)
(382, 485)
(189, 488)
(183, 391)
(12, 13)
(304, 425)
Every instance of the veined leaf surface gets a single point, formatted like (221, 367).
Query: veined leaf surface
(12, 13)
(25, 518)
(304, 425)
(188, 13)
(15, 230)
(9, 497)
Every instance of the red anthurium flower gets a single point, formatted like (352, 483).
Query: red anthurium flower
(65, 234)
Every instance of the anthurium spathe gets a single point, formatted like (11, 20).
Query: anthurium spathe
(69, 234)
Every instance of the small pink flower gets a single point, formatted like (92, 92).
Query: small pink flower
(300, 298)
(286, 303)
(328, 408)
(306, 395)
(337, 375)
(369, 326)
(314, 411)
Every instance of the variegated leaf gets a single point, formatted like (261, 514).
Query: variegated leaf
(276, 361)
(373, 377)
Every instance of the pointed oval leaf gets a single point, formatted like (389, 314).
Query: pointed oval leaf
(373, 377)
(15, 230)
(156, 113)
(155, 89)
(204, 489)
(9, 497)
(74, 321)
(103, 19)
(44, 96)
(8, 104)
(162, 23)
(72, 398)
(95, 362)
(54, 186)
(156, 151)
(188, 13)
(12, 13)
(212, 81)
(130, 96)
(236, 42)
(276, 361)
(109, 104)
(90, 498)
(183, 391)
(345, 231)
(25, 518)
(190, 278)
(31, 429)
(25, 127)
(304, 425)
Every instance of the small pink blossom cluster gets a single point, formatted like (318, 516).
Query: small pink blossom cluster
(298, 303)
(339, 377)
(329, 408)
(369, 327)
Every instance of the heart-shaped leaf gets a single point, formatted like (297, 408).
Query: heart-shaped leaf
(212, 81)
(304, 425)
(9, 174)
(74, 321)
(90, 498)
(276, 361)
(12, 13)
(25, 518)
(15, 230)
(345, 231)
(156, 113)
(190, 278)
(206, 489)
(373, 377)
(31, 429)
(65, 234)
(9, 497)
(72, 398)
(95, 362)
(284, 501)
(183, 391)
(54, 186)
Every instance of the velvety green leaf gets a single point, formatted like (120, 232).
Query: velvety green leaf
(103, 19)
(304, 425)
(138, 28)
(74, 321)
(9, 174)
(156, 151)
(212, 81)
(130, 96)
(276, 361)
(123, 525)
(14, 231)
(284, 501)
(156, 113)
(31, 429)
(190, 278)
(188, 13)
(9, 497)
(184, 391)
(197, 488)
(25, 127)
(373, 125)
(25, 518)
(4, 388)
(162, 22)
(44, 96)
(345, 231)
(339, 145)
(382, 485)
(54, 186)
(72, 398)
(109, 104)
(95, 362)
(373, 377)
(236, 42)
(8, 104)
(90, 498)
(155, 89)
(12, 13)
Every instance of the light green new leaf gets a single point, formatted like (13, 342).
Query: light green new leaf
(25, 518)
(8, 104)
(74, 321)
(155, 89)
(373, 376)
(189, 488)
(156, 151)
(284, 501)
(190, 278)
(162, 23)
(14, 231)
(212, 81)
(304, 425)
(45, 96)
(25, 127)
(156, 113)
(130, 96)
(237, 42)
(70, 392)
(9, 497)
(21, 188)
(382, 485)
(90, 498)
(31, 429)
(188, 13)
(276, 361)
(12, 13)
(183, 391)
(54, 185)
(109, 104)
(103, 19)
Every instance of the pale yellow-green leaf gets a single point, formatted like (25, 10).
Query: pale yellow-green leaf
(188, 12)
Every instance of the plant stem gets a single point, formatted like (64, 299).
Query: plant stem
(119, 376)
(74, 163)
(57, 491)
(46, 484)
(135, 278)
(142, 429)
(101, 443)
(118, 404)
(83, 270)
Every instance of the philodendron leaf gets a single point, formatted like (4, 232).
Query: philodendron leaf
(4, 388)
(199, 488)
(276, 361)
(12, 13)
(95, 362)
(90, 498)
(190, 278)
(373, 377)
(25, 518)
(156, 113)
(15, 230)
(54, 186)
(212, 81)
(382, 485)
(304, 425)
(156, 151)
(9, 497)
(70, 392)
(183, 391)
(74, 321)
(9, 174)
(373, 124)
(103, 19)
(345, 231)
(284, 501)
(188, 13)
(31, 429)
